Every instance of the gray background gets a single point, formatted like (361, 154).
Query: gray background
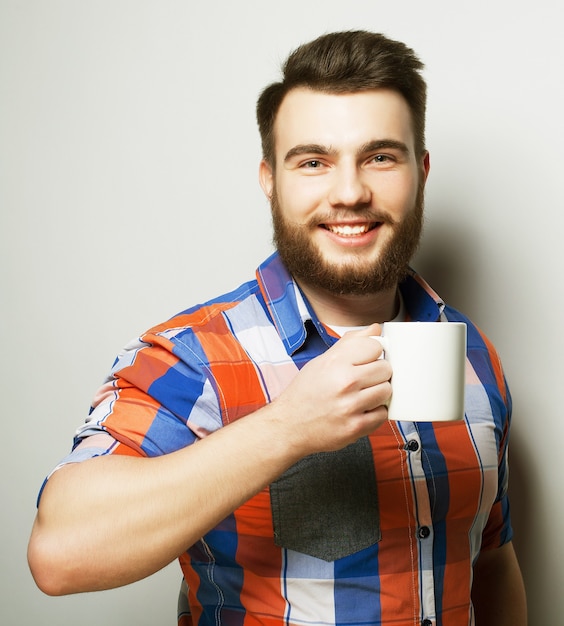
(128, 191)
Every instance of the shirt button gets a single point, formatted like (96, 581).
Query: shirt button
(423, 533)
(412, 445)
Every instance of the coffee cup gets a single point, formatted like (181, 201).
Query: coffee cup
(428, 363)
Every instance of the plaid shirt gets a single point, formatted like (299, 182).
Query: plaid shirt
(441, 487)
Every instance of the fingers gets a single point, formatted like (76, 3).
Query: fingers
(369, 331)
(367, 377)
(373, 419)
(358, 389)
(340, 395)
(359, 347)
(375, 396)
(373, 373)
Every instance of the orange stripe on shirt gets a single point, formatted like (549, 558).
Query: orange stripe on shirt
(131, 426)
(241, 391)
(397, 566)
(465, 488)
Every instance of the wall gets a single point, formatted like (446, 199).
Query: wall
(128, 191)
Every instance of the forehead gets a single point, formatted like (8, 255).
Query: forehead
(341, 121)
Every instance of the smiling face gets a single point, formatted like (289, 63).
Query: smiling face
(346, 190)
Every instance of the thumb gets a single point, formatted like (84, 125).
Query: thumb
(373, 329)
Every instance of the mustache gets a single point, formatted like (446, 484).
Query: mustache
(352, 215)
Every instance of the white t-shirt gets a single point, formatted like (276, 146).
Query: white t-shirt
(341, 330)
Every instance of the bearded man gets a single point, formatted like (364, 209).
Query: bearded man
(249, 437)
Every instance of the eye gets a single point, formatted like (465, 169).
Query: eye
(382, 158)
(312, 164)
(382, 161)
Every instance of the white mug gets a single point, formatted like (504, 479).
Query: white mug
(428, 362)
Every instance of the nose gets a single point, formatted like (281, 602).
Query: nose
(348, 187)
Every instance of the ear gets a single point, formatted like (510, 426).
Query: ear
(425, 165)
(266, 178)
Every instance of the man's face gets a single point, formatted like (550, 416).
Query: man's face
(347, 190)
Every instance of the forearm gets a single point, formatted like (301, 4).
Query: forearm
(498, 592)
(113, 520)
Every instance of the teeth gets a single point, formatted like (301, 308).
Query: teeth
(348, 230)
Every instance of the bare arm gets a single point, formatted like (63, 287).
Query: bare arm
(113, 520)
(498, 592)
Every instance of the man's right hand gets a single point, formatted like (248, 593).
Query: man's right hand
(339, 396)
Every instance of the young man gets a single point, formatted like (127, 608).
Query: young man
(249, 438)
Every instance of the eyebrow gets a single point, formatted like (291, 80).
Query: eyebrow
(379, 144)
(308, 148)
(370, 146)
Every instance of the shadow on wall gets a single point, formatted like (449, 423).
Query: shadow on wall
(524, 501)
(445, 261)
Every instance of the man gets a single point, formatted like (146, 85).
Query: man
(249, 436)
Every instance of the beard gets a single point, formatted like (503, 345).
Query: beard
(355, 276)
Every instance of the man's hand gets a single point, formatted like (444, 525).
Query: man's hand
(339, 396)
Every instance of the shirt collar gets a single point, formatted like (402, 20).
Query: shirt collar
(290, 310)
(285, 302)
(423, 304)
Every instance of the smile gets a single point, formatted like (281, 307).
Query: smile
(350, 230)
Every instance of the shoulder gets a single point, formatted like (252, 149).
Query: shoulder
(203, 314)
(483, 356)
(476, 337)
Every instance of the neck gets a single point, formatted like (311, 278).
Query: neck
(352, 310)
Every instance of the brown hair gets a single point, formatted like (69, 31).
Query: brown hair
(345, 62)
